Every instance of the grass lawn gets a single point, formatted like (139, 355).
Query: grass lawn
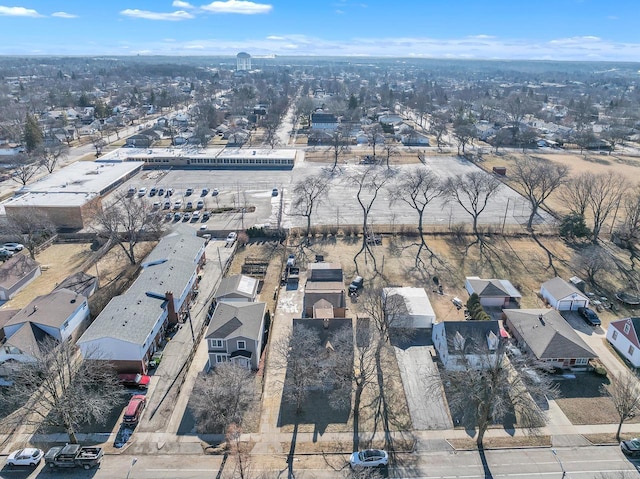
(583, 403)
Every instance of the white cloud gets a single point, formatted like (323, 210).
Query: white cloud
(18, 12)
(181, 4)
(172, 16)
(64, 15)
(237, 6)
(275, 37)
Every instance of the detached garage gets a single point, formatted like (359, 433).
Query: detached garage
(562, 295)
(411, 307)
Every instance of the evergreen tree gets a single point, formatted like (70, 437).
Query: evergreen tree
(32, 133)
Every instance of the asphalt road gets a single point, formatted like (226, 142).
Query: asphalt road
(533, 463)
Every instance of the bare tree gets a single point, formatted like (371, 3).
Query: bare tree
(339, 144)
(384, 311)
(308, 194)
(221, 398)
(126, 221)
(50, 155)
(32, 227)
(375, 134)
(605, 195)
(59, 388)
(368, 184)
(24, 168)
(98, 143)
(417, 189)
(472, 192)
(389, 150)
(438, 128)
(299, 353)
(538, 178)
(624, 391)
(271, 131)
(464, 132)
(485, 386)
(575, 193)
(591, 261)
(516, 106)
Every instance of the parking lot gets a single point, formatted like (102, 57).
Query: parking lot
(245, 197)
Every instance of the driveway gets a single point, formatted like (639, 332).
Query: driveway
(595, 337)
(417, 369)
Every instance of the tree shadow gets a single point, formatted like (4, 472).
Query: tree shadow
(485, 464)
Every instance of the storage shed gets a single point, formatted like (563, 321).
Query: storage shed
(562, 295)
(412, 309)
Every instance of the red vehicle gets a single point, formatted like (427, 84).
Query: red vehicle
(134, 380)
(134, 409)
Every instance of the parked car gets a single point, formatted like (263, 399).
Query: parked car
(177, 205)
(291, 260)
(189, 192)
(134, 380)
(356, 284)
(13, 246)
(231, 237)
(134, 409)
(169, 191)
(142, 191)
(214, 192)
(189, 205)
(74, 455)
(177, 216)
(167, 205)
(274, 192)
(5, 254)
(186, 217)
(160, 191)
(195, 216)
(153, 191)
(200, 204)
(203, 227)
(168, 217)
(29, 456)
(369, 458)
(631, 447)
(589, 315)
(205, 216)
(205, 192)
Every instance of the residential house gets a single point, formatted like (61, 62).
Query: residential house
(562, 295)
(324, 121)
(16, 273)
(493, 292)
(81, 283)
(129, 329)
(236, 334)
(461, 344)
(624, 335)
(409, 307)
(324, 282)
(237, 288)
(142, 140)
(56, 316)
(548, 336)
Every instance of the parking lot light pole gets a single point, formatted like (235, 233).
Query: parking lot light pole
(133, 463)
(555, 453)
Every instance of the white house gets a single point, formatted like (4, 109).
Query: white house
(463, 343)
(562, 295)
(493, 292)
(623, 334)
(237, 288)
(411, 307)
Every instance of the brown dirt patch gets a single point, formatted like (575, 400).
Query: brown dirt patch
(603, 439)
(57, 262)
(502, 442)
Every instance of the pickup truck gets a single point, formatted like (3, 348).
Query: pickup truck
(74, 455)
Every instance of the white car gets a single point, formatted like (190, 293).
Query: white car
(369, 458)
(29, 456)
(13, 246)
(231, 237)
(203, 227)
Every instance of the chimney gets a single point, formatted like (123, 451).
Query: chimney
(171, 308)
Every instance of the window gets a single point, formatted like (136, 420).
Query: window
(242, 345)
(627, 328)
(221, 358)
(216, 343)
(65, 325)
(614, 336)
(631, 350)
(581, 361)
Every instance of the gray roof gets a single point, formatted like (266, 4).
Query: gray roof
(549, 338)
(239, 285)
(559, 288)
(231, 320)
(488, 288)
(81, 283)
(50, 310)
(473, 332)
(28, 339)
(126, 318)
(14, 269)
(132, 316)
(180, 245)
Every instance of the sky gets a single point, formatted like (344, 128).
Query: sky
(591, 30)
